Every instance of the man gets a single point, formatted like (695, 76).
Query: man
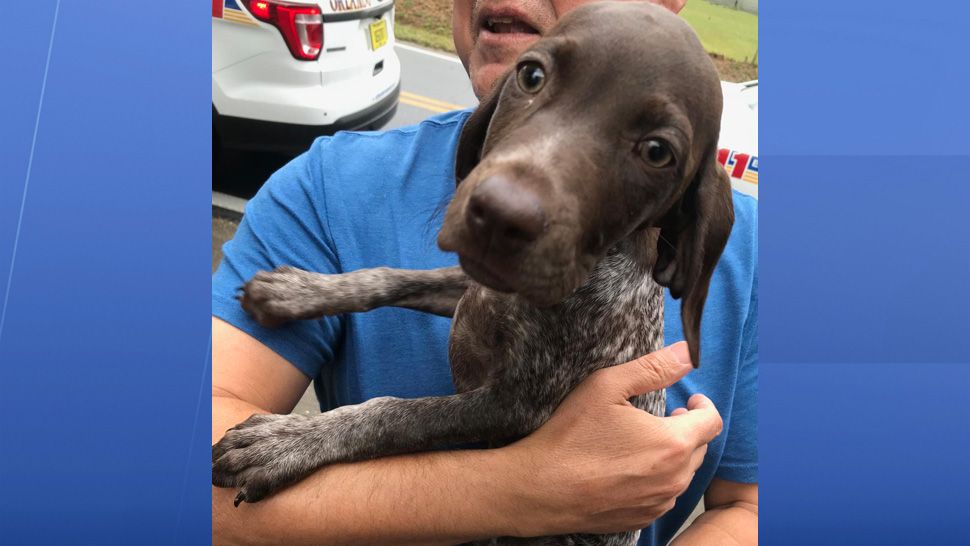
(598, 465)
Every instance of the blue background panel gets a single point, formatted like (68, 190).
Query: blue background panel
(863, 453)
(864, 258)
(865, 272)
(21, 90)
(104, 352)
(867, 77)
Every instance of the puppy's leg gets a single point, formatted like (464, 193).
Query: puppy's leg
(269, 452)
(275, 297)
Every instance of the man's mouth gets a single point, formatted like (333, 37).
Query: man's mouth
(502, 23)
(507, 25)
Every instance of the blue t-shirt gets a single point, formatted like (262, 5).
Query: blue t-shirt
(359, 200)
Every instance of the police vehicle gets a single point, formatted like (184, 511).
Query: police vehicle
(738, 143)
(284, 73)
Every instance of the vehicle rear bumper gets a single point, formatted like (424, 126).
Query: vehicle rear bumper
(289, 138)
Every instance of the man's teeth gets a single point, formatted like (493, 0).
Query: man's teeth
(507, 25)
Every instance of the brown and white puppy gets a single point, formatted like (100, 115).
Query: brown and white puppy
(596, 132)
(587, 181)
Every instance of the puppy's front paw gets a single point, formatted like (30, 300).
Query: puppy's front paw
(282, 295)
(263, 455)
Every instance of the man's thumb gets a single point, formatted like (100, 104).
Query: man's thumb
(652, 372)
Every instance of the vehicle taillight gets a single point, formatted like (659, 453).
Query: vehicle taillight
(301, 26)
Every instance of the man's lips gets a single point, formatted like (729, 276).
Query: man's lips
(507, 25)
(503, 24)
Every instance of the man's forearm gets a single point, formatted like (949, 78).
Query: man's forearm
(428, 498)
(735, 523)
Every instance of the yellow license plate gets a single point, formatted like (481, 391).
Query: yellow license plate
(378, 34)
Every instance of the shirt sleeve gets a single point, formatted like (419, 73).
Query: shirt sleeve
(739, 461)
(284, 224)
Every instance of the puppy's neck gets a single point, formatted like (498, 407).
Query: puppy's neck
(624, 272)
(618, 314)
(622, 279)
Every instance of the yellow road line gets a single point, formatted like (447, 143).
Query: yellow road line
(428, 103)
(430, 100)
(422, 105)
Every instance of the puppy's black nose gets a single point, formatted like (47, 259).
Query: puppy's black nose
(506, 213)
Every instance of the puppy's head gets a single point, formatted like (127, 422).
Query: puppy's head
(607, 125)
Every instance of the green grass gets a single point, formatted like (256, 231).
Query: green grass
(424, 37)
(730, 33)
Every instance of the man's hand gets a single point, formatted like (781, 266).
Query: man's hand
(601, 465)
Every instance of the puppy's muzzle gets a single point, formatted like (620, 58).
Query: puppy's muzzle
(504, 217)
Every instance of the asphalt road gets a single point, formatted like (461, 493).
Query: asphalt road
(431, 83)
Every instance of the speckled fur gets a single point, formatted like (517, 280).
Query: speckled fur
(512, 363)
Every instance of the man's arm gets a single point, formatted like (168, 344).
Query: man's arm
(730, 516)
(451, 496)
(552, 482)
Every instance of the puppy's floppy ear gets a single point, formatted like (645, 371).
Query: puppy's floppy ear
(471, 143)
(692, 236)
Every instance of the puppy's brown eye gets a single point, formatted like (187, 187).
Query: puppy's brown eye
(531, 77)
(656, 153)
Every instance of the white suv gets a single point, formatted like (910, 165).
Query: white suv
(284, 73)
